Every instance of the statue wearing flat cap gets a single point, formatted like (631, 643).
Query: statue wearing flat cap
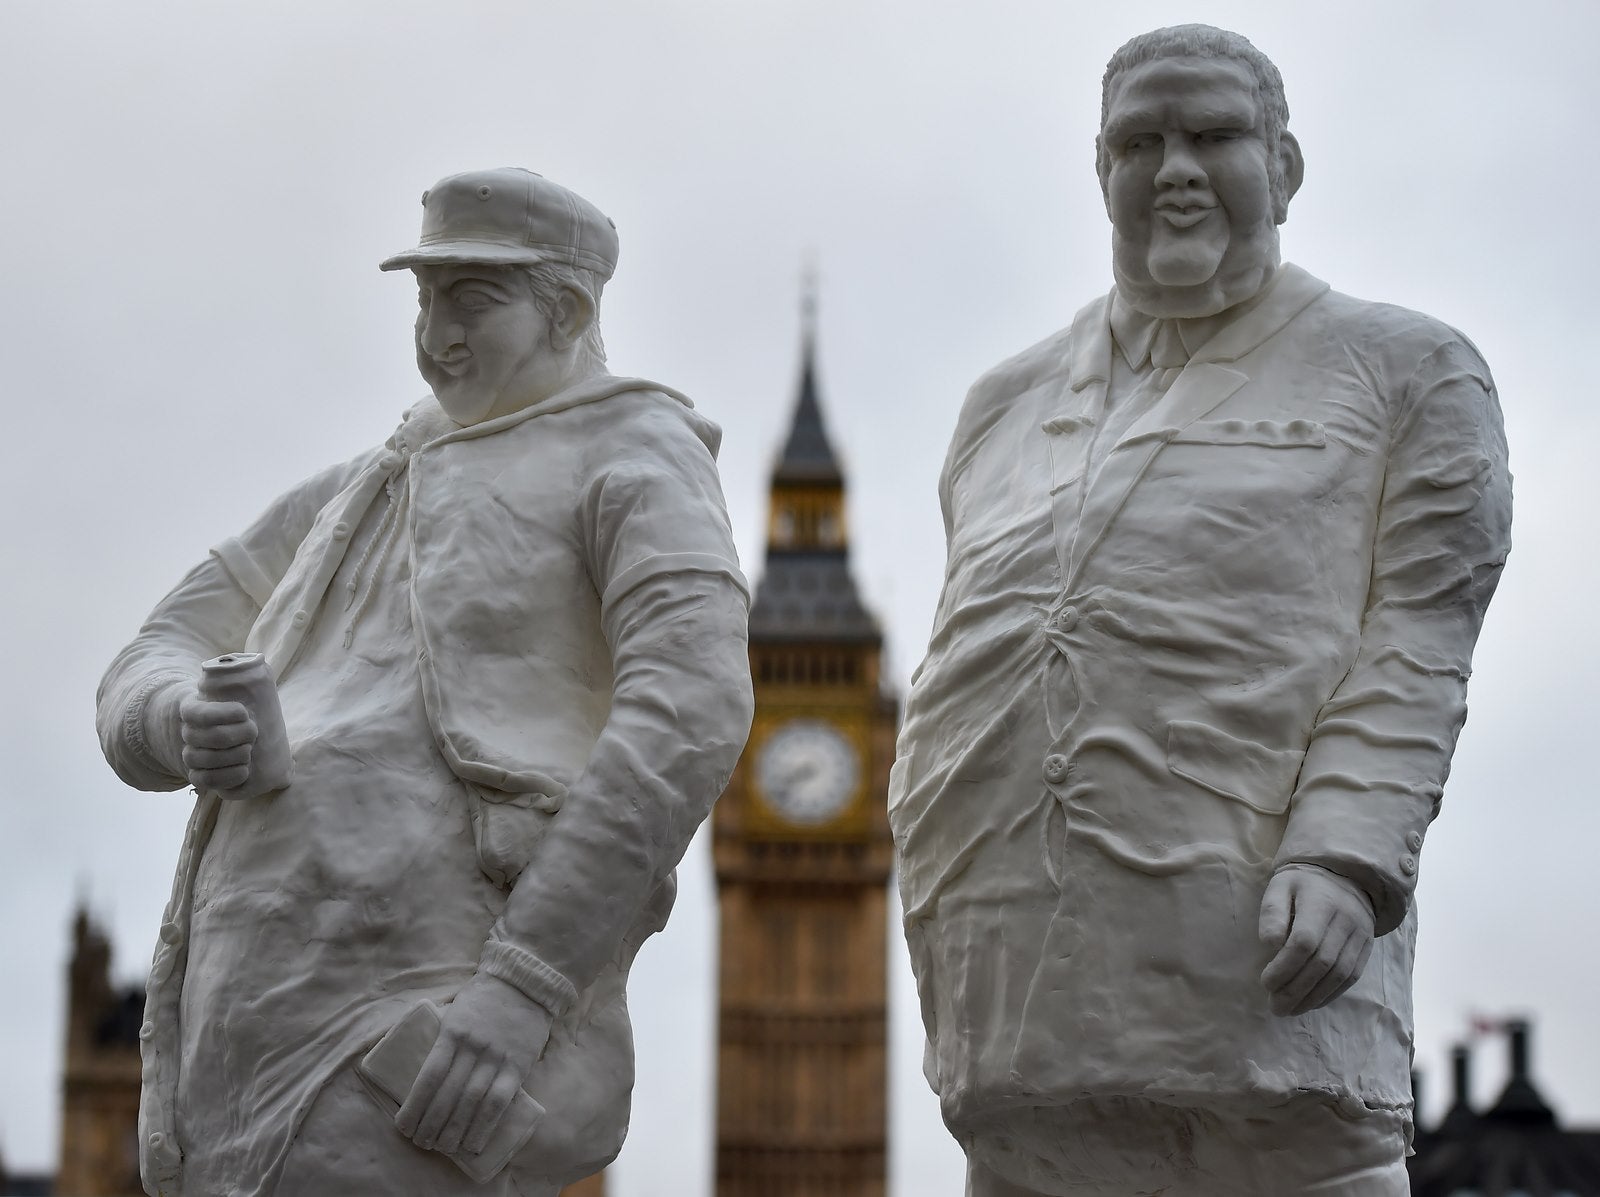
(1218, 557)
(453, 711)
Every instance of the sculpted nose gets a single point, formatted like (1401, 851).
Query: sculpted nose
(1179, 166)
(438, 332)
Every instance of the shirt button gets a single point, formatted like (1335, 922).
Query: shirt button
(1408, 865)
(1414, 841)
(1055, 768)
(299, 618)
(1067, 618)
(341, 531)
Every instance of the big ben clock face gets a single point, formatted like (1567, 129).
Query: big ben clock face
(807, 771)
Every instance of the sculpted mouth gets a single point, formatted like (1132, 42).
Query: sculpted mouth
(1183, 216)
(455, 367)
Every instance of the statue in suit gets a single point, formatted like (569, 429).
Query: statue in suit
(1218, 557)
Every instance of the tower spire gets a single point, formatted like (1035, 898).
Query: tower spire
(808, 454)
(808, 305)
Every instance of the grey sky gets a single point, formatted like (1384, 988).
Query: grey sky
(196, 198)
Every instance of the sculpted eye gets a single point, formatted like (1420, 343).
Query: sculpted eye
(1142, 141)
(1217, 136)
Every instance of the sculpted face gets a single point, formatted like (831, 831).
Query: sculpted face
(1187, 184)
(483, 345)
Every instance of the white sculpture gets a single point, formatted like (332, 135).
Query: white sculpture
(510, 651)
(1218, 556)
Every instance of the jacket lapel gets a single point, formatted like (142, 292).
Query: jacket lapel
(1197, 391)
(1088, 372)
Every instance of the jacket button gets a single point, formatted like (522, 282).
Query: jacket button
(148, 1031)
(1408, 865)
(170, 933)
(299, 618)
(1067, 618)
(1055, 768)
(341, 531)
(1414, 841)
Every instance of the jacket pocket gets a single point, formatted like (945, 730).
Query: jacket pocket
(1267, 434)
(1262, 778)
(507, 827)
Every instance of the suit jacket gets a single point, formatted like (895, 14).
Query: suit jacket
(1237, 639)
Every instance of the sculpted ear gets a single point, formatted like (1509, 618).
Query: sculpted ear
(573, 313)
(1293, 164)
(1102, 167)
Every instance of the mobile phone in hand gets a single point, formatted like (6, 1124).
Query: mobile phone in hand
(391, 1067)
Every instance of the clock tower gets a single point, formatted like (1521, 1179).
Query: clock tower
(802, 851)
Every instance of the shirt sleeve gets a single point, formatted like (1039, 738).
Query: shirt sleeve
(208, 613)
(675, 610)
(1380, 751)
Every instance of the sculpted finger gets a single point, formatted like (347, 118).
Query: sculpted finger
(1346, 970)
(1296, 969)
(467, 1106)
(219, 779)
(495, 1104)
(1364, 954)
(429, 1077)
(220, 735)
(1276, 908)
(1301, 946)
(203, 713)
(210, 759)
(1357, 952)
(1322, 969)
(444, 1101)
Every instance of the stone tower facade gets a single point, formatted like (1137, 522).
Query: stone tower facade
(802, 851)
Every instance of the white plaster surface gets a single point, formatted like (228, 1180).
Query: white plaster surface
(1218, 557)
(509, 650)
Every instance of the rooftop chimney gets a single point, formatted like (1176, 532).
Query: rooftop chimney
(1521, 1101)
(1459, 1119)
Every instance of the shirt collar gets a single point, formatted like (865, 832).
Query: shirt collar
(1135, 333)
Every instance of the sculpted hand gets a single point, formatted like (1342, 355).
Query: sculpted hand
(218, 741)
(1321, 927)
(491, 1038)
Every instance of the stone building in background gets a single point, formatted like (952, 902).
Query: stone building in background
(1515, 1148)
(100, 1083)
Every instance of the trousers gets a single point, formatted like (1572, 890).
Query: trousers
(1134, 1147)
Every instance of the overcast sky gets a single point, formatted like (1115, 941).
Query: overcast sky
(196, 198)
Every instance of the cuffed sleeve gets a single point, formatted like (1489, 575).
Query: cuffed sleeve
(1379, 754)
(537, 980)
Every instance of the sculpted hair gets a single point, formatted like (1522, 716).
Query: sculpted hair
(1204, 41)
(547, 279)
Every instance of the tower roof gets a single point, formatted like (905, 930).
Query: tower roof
(810, 597)
(806, 592)
(808, 454)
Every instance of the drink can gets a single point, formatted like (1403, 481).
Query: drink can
(246, 678)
